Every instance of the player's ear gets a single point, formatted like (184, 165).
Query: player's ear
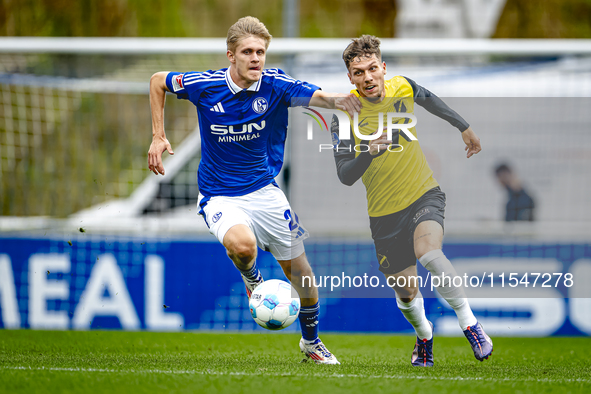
(384, 67)
(230, 56)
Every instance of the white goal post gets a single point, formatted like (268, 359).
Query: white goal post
(292, 46)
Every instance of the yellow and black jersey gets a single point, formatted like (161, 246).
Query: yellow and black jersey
(398, 177)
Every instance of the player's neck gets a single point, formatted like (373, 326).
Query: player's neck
(376, 100)
(238, 80)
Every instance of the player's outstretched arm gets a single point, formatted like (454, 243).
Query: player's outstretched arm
(159, 144)
(347, 102)
(472, 142)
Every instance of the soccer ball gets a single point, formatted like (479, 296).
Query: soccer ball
(272, 306)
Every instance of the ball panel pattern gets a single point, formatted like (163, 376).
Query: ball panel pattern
(272, 306)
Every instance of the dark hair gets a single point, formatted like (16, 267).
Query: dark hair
(365, 45)
(502, 168)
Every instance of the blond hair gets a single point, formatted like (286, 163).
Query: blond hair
(244, 27)
(364, 46)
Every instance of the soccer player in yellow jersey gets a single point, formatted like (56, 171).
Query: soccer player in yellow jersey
(405, 204)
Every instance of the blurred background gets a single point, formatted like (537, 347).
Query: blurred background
(79, 210)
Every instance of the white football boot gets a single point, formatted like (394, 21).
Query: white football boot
(250, 286)
(317, 352)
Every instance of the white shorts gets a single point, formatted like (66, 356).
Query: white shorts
(266, 212)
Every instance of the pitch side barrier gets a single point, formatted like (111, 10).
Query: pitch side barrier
(97, 282)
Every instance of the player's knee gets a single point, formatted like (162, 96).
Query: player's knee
(241, 246)
(243, 252)
(423, 248)
(406, 285)
(407, 294)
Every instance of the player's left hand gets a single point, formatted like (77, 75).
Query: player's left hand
(380, 145)
(472, 142)
(347, 102)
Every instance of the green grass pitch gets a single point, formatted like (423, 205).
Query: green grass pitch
(134, 362)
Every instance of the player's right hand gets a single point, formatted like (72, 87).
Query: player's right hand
(347, 102)
(158, 146)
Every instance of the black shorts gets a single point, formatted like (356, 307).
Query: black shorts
(393, 234)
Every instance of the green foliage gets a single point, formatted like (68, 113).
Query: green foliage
(189, 18)
(131, 18)
(347, 18)
(211, 18)
(545, 19)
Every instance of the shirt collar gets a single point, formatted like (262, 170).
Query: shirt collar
(235, 88)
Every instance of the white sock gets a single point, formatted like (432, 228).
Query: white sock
(414, 312)
(463, 311)
(436, 262)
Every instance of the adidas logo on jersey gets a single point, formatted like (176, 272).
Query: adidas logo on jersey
(217, 108)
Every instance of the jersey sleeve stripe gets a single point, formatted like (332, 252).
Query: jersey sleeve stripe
(204, 80)
(286, 80)
(276, 74)
(200, 76)
(276, 71)
(207, 72)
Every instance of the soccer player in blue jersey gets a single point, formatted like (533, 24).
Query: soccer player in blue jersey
(243, 113)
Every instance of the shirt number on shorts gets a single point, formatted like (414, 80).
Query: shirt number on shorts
(294, 221)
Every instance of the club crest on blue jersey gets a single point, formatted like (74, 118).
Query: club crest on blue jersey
(259, 105)
(335, 140)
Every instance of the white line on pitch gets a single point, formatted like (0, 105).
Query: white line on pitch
(293, 375)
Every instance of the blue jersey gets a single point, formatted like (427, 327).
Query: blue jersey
(243, 131)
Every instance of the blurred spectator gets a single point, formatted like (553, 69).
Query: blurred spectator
(520, 205)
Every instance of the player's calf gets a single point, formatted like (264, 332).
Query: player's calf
(296, 270)
(442, 270)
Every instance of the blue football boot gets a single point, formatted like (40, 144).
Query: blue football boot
(422, 354)
(481, 343)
